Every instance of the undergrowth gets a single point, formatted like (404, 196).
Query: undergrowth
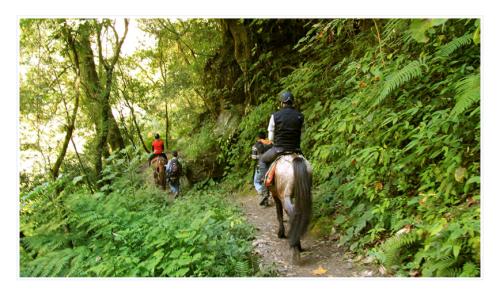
(130, 229)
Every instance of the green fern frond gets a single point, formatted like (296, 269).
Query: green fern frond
(444, 267)
(59, 260)
(78, 263)
(450, 272)
(43, 244)
(447, 49)
(469, 270)
(37, 266)
(468, 93)
(392, 29)
(87, 218)
(395, 80)
(51, 264)
(391, 248)
(241, 268)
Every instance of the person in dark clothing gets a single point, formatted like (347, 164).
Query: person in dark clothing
(259, 148)
(285, 128)
(157, 147)
(174, 172)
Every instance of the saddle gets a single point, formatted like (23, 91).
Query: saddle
(156, 158)
(269, 178)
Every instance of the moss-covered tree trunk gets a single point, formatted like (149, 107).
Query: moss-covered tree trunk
(242, 51)
(98, 90)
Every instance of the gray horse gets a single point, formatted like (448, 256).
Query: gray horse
(292, 192)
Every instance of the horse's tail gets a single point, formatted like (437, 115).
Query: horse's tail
(302, 185)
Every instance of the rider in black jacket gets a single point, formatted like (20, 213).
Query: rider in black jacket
(285, 128)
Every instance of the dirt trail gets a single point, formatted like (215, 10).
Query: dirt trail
(322, 258)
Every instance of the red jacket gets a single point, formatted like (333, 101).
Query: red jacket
(157, 146)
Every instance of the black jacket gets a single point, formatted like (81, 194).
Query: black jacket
(287, 128)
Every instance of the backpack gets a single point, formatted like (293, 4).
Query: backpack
(175, 168)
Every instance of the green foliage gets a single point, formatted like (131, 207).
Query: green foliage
(238, 155)
(392, 249)
(419, 28)
(468, 93)
(199, 144)
(459, 42)
(131, 230)
(396, 79)
(392, 130)
(389, 146)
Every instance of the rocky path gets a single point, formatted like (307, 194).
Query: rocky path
(322, 258)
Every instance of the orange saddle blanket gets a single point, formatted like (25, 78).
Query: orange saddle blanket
(270, 174)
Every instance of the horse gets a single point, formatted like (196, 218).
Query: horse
(291, 192)
(159, 175)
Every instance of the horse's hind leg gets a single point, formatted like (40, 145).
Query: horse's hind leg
(296, 255)
(279, 212)
(300, 247)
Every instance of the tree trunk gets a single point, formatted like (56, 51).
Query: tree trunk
(115, 139)
(96, 92)
(69, 133)
(125, 97)
(242, 52)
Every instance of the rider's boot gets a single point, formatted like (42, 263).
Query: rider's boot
(264, 198)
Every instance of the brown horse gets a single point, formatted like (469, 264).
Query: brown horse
(159, 175)
(292, 192)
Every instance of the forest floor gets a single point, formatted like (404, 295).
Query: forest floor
(321, 258)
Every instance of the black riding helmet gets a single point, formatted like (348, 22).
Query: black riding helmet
(286, 97)
(157, 136)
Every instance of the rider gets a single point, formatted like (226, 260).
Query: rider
(261, 146)
(285, 128)
(157, 148)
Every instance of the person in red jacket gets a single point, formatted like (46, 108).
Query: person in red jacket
(158, 148)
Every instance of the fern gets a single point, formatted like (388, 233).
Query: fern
(440, 267)
(45, 243)
(447, 49)
(57, 264)
(392, 30)
(241, 268)
(391, 248)
(395, 80)
(468, 93)
(78, 263)
(469, 270)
